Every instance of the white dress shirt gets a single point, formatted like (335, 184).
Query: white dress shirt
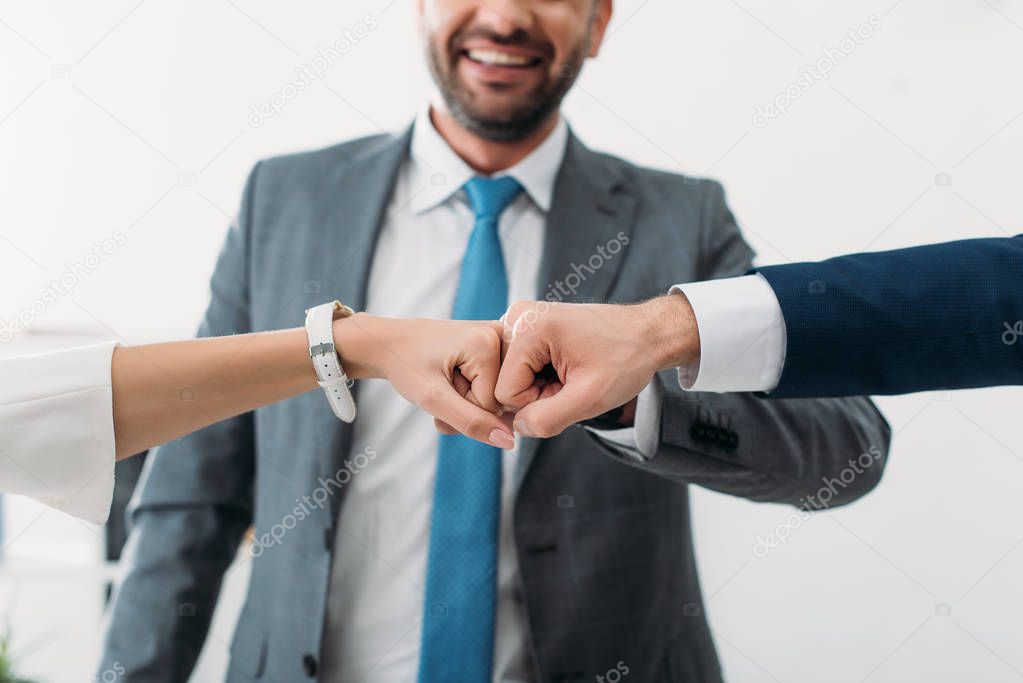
(742, 335)
(375, 601)
(57, 430)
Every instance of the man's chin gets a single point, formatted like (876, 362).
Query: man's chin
(498, 128)
(496, 116)
(495, 102)
(499, 111)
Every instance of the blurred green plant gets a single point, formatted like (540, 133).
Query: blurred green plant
(7, 674)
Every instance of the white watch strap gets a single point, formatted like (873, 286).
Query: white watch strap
(319, 326)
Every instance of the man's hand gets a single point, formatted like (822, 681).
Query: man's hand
(446, 367)
(565, 363)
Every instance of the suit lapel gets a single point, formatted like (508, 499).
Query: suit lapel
(357, 200)
(353, 206)
(588, 229)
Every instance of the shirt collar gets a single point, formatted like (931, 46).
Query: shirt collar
(442, 173)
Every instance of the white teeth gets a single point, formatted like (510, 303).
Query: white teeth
(499, 58)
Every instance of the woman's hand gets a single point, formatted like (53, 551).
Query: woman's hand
(448, 368)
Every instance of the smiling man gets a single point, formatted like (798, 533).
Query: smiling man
(395, 554)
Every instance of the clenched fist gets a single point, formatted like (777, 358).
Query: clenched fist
(564, 363)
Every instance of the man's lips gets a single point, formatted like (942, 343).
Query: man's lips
(500, 65)
(489, 56)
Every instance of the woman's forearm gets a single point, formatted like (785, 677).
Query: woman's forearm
(163, 391)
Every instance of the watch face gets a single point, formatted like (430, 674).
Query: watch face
(341, 310)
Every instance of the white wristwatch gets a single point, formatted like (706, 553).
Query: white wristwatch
(319, 326)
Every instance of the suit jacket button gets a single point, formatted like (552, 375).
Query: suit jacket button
(697, 432)
(309, 665)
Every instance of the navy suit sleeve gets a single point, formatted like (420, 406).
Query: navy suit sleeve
(941, 316)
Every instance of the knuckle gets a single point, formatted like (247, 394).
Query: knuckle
(485, 340)
(493, 340)
(484, 402)
(503, 396)
(521, 318)
(516, 309)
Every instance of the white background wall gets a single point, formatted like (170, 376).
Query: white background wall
(133, 116)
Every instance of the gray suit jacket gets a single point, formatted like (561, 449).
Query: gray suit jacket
(609, 578)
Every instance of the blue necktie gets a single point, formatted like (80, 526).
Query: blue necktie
(461, 572)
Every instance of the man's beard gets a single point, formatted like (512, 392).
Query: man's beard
(521, 119)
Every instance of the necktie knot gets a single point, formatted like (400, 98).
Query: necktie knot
(490, 196)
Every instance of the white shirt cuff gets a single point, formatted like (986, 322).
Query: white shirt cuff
(57, 440)
(638, 442)
(742, 335)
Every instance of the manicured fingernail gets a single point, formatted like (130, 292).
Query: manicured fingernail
(522, 428)
(502, 439)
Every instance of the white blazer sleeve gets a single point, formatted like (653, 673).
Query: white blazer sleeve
(57, 429)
